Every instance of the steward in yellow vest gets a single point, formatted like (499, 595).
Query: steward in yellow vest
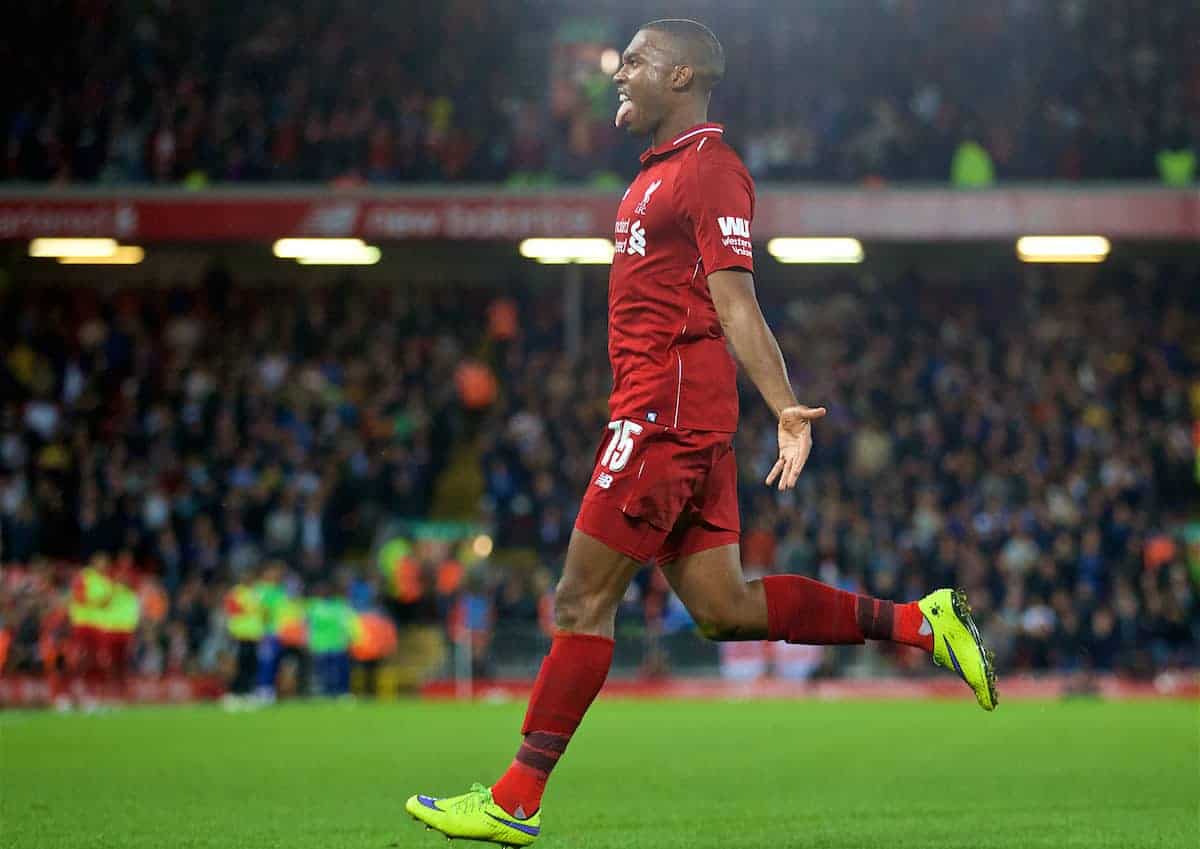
(247, 623)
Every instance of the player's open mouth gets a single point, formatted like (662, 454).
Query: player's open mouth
(625, 110)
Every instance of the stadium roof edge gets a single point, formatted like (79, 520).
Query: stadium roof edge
(132, 191)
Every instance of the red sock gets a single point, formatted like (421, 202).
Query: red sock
(900, 623)
(801, 610)
(571, 676)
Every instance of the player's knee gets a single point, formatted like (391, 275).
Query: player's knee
(566, 612)
(719, 623)
(719, 631)
(575, 609)
(729, 618)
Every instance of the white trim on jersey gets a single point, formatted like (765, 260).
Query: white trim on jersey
(678, 388)
(687, 136)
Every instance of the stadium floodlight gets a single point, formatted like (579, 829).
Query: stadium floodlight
(1063, 248)
(366, 255)
(567, 251)
(56, 248)
(327, 251)
(481, 546)
(123, 255)
(827, 250)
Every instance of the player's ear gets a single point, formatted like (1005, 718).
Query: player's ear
(681, 77)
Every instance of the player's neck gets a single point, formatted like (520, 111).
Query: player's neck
(673, 125)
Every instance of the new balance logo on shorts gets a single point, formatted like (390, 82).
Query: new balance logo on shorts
(604, 480)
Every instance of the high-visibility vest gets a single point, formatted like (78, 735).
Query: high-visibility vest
(374, 637)
(408, 584)
(402, 571)
(153, 600)
(123, 611)
(330, 625)
(272, 597)
(1177, 167)
(90, 592)
(246, 620)
(292, 625)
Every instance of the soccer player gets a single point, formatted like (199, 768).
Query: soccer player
(118, 628)
(91, 592)
(664, 483)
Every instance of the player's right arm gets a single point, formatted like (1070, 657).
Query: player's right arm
(79, 588)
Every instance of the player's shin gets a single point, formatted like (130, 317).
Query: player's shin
(569, 680)
(801, 610)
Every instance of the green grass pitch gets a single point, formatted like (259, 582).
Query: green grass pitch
(656, 775)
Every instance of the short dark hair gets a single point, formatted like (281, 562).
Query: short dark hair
(699, 48)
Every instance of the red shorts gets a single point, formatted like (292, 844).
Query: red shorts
(83, 648)
(116, 648)
(658, 493)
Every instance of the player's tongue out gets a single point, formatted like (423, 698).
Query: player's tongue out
(624, 113)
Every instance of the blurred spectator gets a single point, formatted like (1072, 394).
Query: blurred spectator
(331, 631)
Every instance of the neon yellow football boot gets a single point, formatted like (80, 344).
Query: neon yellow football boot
(474, 816)
(958, 646)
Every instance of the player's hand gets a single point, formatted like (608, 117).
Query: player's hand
(795, 441)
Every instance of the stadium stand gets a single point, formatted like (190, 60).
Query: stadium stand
(982, 435)
(217, 91)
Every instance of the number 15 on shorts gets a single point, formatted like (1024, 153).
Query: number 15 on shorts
(620, 447)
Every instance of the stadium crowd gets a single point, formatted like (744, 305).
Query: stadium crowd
(1026, 439)
(217, 91)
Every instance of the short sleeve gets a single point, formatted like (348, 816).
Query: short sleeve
(721, 209)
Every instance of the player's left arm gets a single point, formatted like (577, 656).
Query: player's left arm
(732, 292)
(721, 208)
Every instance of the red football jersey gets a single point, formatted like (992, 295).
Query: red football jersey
(686, 215)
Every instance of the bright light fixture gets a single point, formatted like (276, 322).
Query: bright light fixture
(53, 248)
(1063, 248)
(364, 255)
(816, 250)
(482, 545)
(563, 251)
(123, 255)
(297, 248)
(327, 251)
(610, 60)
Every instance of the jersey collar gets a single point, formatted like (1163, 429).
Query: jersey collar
(689, 136)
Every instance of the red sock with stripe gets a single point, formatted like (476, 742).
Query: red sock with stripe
(569, 680)
(801, 610)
